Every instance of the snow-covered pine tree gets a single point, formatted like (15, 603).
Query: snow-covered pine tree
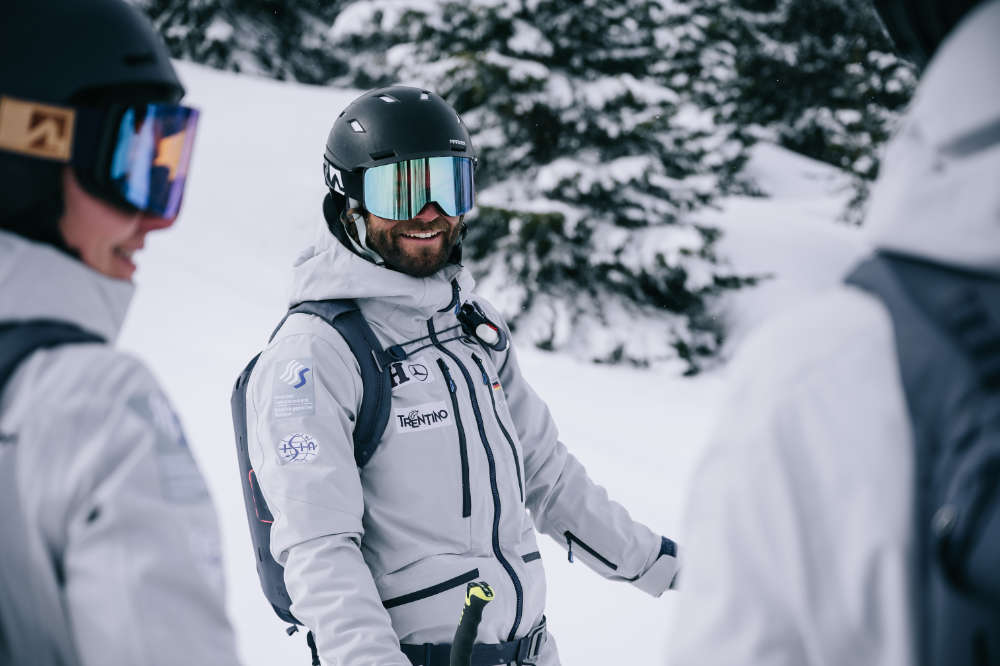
(816, 76)
(590, 165)
(282, 40)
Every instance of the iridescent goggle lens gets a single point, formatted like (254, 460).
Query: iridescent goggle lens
(399, 191)
(150, 154)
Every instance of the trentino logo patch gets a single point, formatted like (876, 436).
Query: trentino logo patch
(422, 417)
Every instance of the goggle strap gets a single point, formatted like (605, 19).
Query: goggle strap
(361, 245)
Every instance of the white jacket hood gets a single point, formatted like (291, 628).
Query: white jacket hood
(938, 195)
(327, 269)
(40, 282)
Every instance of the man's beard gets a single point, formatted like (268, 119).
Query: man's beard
(418, 261)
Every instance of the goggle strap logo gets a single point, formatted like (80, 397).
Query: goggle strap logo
(334, 180)
(38, 130)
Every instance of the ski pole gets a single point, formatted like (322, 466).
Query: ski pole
(477, 595)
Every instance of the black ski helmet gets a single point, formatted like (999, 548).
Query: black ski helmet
(917, 27)
(65, 52)
(389, 125)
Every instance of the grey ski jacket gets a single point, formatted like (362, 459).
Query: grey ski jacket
(469, 466)
(110, 551)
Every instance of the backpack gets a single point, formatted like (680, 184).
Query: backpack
(373, 415)
(947, 331)
(20, 339)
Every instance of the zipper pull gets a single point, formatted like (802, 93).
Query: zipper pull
(569, 542)
(447, 376)
(482, 369)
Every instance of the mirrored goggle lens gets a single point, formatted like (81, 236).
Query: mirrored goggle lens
(400, 190)
(150, 156)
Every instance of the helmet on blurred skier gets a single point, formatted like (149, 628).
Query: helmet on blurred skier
(88, 84)
(392, 151)
(917, 27)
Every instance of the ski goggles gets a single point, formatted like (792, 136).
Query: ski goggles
(137, 155)
(400, 190)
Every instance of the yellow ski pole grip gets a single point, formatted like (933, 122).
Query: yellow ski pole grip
(477, 595)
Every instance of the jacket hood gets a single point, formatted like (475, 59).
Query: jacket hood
(938, 195)
(327, 269)
(39, 282)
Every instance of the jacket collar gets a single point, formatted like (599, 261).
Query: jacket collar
(327, 269)
(39, 282)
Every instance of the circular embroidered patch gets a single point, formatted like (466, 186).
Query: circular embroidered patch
(298, 448)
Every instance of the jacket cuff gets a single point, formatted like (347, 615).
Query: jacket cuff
(661, 576)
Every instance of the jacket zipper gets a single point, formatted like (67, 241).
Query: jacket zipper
(570, 538)
(518, 590)
(462, 450)
(513, 449)
(426, 592)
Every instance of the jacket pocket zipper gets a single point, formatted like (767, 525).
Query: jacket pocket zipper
(496, 415)
(494, 488)
(462, 449)
(570, 538)
(467, 577)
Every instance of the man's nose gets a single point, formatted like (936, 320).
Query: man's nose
(430, 212)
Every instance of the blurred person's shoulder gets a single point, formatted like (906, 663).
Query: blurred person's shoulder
(815, 395)
(84, 389)
(829, 348)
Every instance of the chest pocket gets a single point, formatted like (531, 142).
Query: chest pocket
(498, 402)
(420, 479)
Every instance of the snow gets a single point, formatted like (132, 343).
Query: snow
(213, 286)
(218, 31)
(529, 39)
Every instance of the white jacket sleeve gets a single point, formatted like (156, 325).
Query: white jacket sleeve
(128, 515)
(741, 526)
(798, 519)
(303, 454)
(568, 506)
(334, 595)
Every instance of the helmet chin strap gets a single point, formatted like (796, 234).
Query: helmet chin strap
(351, 218)
(361, 230)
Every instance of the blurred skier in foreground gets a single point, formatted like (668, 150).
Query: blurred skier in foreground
(110, 548)
(848, 510)
(379, 533)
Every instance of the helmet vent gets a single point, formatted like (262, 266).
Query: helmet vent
(382, 154)
(425, 95)
(388, 99)
(357, 127)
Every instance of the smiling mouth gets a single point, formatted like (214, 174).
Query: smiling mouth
(124, 254)
(423, 235)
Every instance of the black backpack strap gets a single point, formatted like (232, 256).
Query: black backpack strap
(34, 626)
(946, 325)
(19, 339)
(373, 415)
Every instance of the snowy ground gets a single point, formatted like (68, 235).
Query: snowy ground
(212, 288)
